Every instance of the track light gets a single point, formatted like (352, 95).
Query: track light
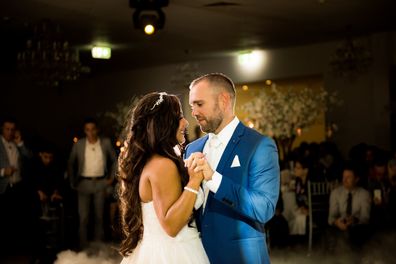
(148, 15)
(148, 4)
(149, 20)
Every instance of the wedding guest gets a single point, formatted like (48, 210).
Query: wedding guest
(47, 177)
(378, 187)
(91, 170)
(46, 180)
(361, 155)
(392, 193)
(298, 224)
(349, 211)
(14, 200)
(278, 228)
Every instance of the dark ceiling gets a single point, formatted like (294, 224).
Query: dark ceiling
(196, 29)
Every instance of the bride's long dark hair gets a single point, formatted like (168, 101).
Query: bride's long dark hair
(151, 130)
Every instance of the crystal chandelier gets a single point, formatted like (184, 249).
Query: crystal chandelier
(184, 74)
(350, 59)
(48, 58)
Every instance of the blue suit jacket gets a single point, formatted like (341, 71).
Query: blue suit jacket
(232, 224)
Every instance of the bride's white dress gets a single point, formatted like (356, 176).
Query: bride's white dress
(158, 247)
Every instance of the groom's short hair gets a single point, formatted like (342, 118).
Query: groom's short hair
(218, 79)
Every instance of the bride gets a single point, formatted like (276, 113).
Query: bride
(158, 193)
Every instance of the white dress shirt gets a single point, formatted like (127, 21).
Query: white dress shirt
(361, 204)
(93, 162)
(13, 158)
(213, 150)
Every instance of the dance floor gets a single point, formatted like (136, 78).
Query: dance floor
(380, 251)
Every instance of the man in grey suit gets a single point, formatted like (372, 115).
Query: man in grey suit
(12, 154)
(14, 201)
(91, 169)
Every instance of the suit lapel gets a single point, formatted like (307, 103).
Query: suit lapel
(4, 155)
(81, 152)
(104, 150)
(230, 147)
(197, 146)
(227, 154)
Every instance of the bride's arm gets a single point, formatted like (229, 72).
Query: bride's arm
(172, 205)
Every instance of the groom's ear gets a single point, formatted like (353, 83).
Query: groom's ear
(224, 100)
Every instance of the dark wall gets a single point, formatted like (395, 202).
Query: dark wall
(56, 114)
(392, 93)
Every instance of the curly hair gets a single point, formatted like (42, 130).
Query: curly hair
(151, 130)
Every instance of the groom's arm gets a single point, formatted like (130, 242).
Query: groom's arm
(256, 200)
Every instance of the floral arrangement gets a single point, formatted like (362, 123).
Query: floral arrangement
(284, 113)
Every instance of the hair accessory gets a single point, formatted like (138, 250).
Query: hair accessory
(160, 100)
(190, 190)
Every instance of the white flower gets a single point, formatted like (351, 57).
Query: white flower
(280, 113)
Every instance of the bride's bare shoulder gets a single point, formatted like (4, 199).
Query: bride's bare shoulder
(159, 165)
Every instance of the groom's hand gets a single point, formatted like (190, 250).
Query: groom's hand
(198, 162)
(191, 161)
(203, 165)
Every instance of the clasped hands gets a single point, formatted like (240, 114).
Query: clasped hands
(344, 223)
(198, 164)
(9, 171)
(54, 197)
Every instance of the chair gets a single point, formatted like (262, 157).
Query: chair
(318, 207)
(52, 221)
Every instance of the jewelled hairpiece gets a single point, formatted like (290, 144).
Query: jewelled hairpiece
(160, 100)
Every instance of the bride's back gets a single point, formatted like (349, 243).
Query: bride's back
(155, 168)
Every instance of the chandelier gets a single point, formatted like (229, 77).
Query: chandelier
(184, 74)
(350, 59)
(48, 58)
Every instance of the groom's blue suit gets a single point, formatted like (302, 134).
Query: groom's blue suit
(232, 224)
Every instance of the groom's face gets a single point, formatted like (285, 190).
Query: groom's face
(204, 102)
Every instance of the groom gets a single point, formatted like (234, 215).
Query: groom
(241, 172)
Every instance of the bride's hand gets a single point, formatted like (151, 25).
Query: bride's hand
(191, 164)
(203, 166)
(198, 162)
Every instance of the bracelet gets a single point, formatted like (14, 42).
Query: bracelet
(190, 190)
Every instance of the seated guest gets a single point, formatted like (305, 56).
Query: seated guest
(47, 178)
(278, 228)
(378, 186)
(350, 208)
(392, 194)
(297, 224)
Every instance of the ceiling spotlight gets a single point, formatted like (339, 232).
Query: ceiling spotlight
(148, 15)
(149, 29)
(150, 21)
